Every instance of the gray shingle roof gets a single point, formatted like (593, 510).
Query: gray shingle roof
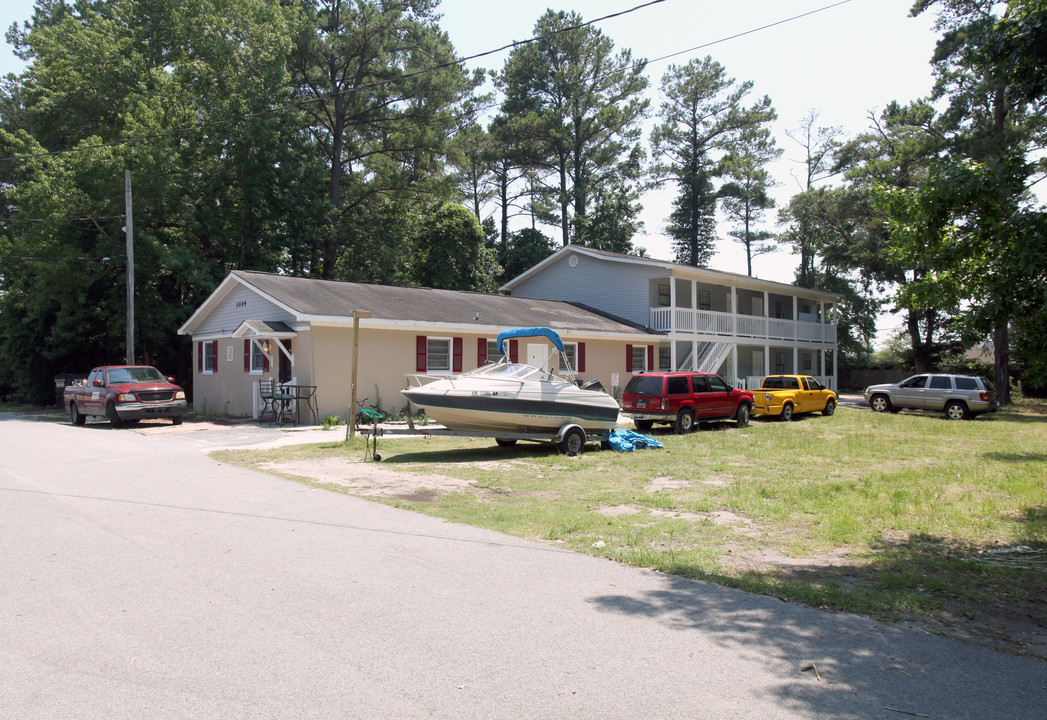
(311, 298)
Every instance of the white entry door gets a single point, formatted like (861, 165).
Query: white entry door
(758, 306)
(536, 354)
(758, 367)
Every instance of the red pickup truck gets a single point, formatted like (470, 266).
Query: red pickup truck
(126, 393)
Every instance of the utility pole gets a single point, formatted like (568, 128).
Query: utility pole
(350, 426)
(129, 235)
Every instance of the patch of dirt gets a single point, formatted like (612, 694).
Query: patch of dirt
(664, 483)
(763, 559)
(369, 479)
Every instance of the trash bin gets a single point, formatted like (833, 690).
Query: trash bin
(64, 380)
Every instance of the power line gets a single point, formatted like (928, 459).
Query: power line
(750, 32)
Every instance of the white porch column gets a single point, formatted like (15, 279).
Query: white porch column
(766, 360)
(796, 360)
(672, 322)
(694, 314)
(835, 382)
(734, 362)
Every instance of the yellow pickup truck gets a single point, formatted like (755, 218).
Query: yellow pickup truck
(786, 395)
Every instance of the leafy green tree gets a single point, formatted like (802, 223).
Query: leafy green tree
(228, 195)
(746, 192)
(575, 107)
(473, 156)
(451, 252)
(897, 152)
(525, 249)
(380, 85)
(818, 145)
(702, 116)
(977, 199)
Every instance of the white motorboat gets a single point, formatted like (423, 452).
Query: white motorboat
(512, 397)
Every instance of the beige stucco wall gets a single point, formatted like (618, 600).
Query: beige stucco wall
(323, 357)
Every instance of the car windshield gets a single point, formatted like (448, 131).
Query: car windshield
(135, 375)
(644, 385)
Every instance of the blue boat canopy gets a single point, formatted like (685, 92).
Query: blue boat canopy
(530, 332)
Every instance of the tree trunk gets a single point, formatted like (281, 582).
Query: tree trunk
(1002, 353)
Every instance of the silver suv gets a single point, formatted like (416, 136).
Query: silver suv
(961, 397)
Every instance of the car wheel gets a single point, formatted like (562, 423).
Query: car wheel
(956, 410)
(505, 442)
(787, 412)
(684, 422)
(742, 415)
(643, 425)
(830, 407)
(110, 412)
(573, 441)
(176, 420)
(880, 403)
(74, 415)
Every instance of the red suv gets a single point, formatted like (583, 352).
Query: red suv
(683, 398)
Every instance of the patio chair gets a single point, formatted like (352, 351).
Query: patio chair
(270, 405)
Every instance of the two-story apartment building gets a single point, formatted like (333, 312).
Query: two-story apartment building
(706, 320)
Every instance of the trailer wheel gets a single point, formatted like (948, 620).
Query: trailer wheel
(74, 415)
(573, 441)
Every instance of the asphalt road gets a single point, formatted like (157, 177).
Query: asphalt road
(141, 579)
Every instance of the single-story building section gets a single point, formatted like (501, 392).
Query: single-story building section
(259, 326)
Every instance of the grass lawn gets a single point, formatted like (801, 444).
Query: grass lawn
(902, 517)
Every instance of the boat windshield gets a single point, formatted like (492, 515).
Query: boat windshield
(520, 371)
(515, 370)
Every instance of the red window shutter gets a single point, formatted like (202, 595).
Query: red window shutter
(200, 356)
(581, 357)
(247, 355)
(456, 365)
(650, 357)
(481, 352)
(421, 354)
(628, 358)
(214, 354)
(514, 351)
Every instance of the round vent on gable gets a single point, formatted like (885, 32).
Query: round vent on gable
(573, 261)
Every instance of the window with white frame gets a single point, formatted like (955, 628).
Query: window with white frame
(493, 355)
(807, 362)
(207, 351)
(571, 351)
(438, 354)
(664, 295)
(257, 358)
(639, 358)
(665, 358)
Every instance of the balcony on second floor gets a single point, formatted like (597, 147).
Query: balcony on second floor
(731, 325)
(704, 310)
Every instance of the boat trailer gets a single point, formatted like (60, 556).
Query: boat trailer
(569, 439)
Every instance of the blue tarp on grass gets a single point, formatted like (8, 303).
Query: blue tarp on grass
(627, 441)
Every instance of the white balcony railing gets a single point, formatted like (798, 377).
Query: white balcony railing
(706, 322)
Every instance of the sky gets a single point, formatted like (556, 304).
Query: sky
(843, 60)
